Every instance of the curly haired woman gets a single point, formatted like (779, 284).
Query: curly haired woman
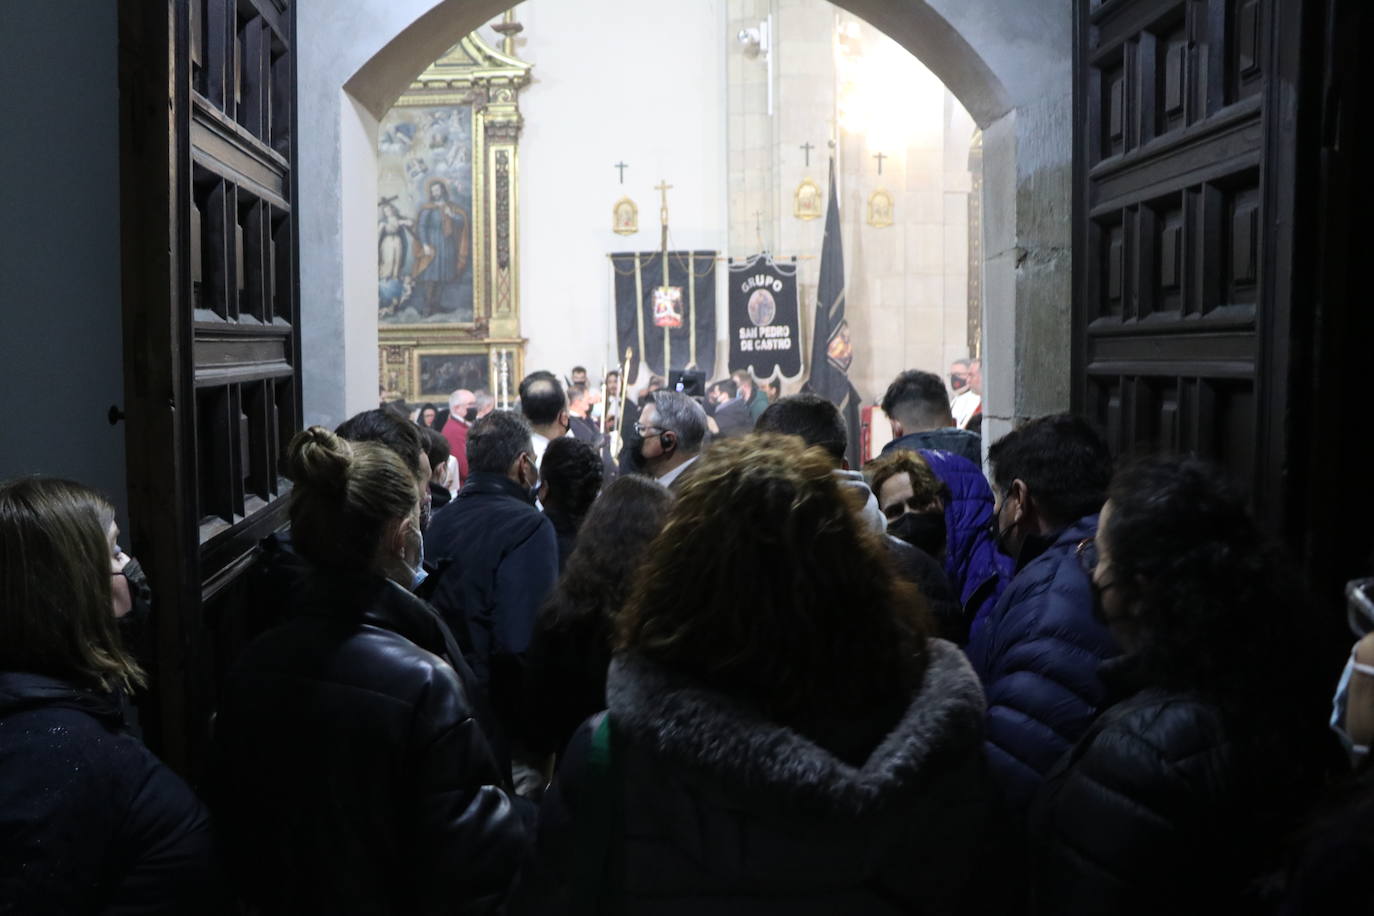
(781, 740)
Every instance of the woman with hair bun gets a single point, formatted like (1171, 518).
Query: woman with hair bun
(353, 777)
(1179, 797)
(781, 740)
(92, 821)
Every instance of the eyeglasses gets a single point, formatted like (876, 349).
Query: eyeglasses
(643, 430)
(1087, 555)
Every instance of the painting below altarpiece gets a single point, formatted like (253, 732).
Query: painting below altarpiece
(442, 373)
(425, 238)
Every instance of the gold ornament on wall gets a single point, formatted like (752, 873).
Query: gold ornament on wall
(880, 209)
(807, 200)
(625, 217)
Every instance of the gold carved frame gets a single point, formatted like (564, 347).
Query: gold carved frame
(476, 74)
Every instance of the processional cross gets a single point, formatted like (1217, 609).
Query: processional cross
(663, 188)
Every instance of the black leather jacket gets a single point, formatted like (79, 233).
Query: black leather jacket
(352, 775)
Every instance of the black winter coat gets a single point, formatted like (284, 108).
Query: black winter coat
(352, 775)
(1166, 805)
(725, 812)
(496, 558)
(90, 820)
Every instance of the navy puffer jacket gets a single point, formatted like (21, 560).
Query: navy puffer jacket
(976, 568)
(1037, 653)
(1169, 804)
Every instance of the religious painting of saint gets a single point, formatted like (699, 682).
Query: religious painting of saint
(807, 203)
(442, 373)
(625, 217)
(880, 210)
(424, 226)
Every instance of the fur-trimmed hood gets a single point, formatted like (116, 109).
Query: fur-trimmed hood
(759, 763)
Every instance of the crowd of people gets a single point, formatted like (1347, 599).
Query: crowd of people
(672, 654)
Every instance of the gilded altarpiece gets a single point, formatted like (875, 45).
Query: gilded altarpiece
(448, 290)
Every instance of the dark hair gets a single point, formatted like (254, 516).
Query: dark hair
(420, 416)
(828, 631)
(611, 372)
(573, 471)
(1063, 462)
(917, 398)
(344, 493)
(436, 447)
(576, 369)
(541, 400)
(611, 545)
(496, 440)
(727, 385)
(56, 607)
(815, 419)
(534, 376)
(384, 427)
(1215, 600)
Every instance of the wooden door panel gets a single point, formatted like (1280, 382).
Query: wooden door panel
(226, 304)
(1175, 313)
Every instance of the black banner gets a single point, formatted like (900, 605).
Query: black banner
(680, 316)
(765, 333)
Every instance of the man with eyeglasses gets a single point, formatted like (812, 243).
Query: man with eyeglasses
(669, 436)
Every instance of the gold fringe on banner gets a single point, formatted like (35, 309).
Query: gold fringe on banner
(639, 316)
(691, 309)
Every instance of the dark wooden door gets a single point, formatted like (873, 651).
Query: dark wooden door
(1218, 224)
(1185, 164)
(210, 317)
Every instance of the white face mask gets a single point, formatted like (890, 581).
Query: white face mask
(1341, 701)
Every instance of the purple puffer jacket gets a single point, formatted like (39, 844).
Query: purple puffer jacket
(976, 568)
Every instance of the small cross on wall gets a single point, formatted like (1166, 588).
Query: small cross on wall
(622, 167)
(807, 148)
(880, 157)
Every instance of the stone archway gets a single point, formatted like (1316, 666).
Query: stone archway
(1007, 61)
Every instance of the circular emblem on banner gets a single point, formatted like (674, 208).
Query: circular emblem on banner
(762, 308)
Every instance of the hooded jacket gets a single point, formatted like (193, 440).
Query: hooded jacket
(726, 812)
(1037, 653)
(92, 821)
(352, 775)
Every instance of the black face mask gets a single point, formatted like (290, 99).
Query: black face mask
(470, 415)
(925, 530)
(139, 590)
(958, 381)
(634, 445)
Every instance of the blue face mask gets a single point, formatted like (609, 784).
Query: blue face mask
(1341, 701)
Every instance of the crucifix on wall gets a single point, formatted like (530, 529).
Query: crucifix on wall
(880, 157)
(622, 167)
(807, 148)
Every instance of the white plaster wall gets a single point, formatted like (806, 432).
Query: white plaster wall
(61, 341)
(638, 81)
(1007, 61)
